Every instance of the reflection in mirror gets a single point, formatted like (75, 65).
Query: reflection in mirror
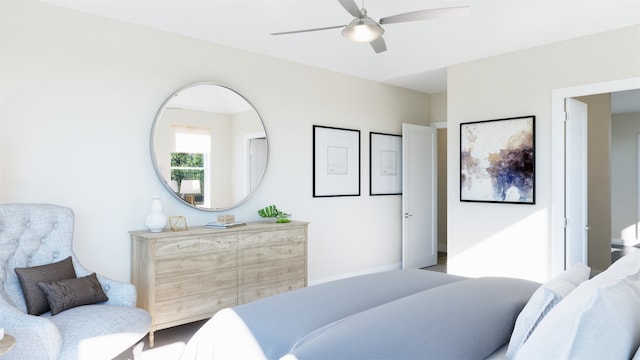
(209, 146)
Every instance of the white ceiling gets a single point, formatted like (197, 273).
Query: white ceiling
(418, 52)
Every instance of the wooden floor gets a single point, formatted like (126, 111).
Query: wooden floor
(442, 263)
(169, 343)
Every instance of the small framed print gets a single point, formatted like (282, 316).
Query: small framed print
(336, 162)
(385, 164)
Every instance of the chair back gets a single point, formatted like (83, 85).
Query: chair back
(31, 235)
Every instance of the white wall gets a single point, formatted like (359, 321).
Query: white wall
(79, 94)
(438, 103)
(515, 240)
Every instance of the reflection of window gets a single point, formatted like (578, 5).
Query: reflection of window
(187, 170)
(190, 167)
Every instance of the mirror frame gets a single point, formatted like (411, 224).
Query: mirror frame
(154, 161)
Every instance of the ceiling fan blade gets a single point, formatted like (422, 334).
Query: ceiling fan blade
(378, 45)
(351, 7)
(308, 30)
(426, 14)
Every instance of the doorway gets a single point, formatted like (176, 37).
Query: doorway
(561, 245)
(625, 185)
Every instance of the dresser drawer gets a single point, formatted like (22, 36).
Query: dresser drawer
(195, 263)
(196, 284)
(258, 291)
(196, 306)
(187, 245)
(272, 272)
(272, 246)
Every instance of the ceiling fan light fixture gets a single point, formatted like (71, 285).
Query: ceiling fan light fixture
(362, 29)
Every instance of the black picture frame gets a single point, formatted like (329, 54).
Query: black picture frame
(336, 161)
(497, 161)
(385, 164)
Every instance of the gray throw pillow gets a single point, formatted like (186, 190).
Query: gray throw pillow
(30, 277)
(66, 294)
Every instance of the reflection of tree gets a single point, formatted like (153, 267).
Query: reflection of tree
(193, 164)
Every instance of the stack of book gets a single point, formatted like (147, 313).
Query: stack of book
(224, 225)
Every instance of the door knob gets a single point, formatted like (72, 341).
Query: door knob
(407, 215)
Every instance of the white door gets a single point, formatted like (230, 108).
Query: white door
(419, 232)
(576, 221)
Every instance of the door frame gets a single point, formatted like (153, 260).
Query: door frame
(558, 96)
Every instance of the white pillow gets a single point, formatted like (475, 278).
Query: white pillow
(637, 355)
(598, 320)
(542, 301)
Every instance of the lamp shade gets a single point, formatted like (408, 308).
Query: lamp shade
(362, 29)
(190, 187)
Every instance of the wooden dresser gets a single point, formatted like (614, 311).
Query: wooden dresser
(185, 276)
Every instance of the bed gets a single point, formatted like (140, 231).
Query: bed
(419, 314)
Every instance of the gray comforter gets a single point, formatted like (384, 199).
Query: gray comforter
(405, 314)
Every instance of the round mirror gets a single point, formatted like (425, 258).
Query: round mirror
(209, 146)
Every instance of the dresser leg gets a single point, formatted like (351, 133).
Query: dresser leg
(151, 338)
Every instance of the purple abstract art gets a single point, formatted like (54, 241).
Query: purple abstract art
(497, 160)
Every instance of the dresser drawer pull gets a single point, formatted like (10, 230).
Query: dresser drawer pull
(190, 245)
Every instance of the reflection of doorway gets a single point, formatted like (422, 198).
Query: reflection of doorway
(560, 244)
(256, 160)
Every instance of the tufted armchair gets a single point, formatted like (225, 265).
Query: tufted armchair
(37, 234)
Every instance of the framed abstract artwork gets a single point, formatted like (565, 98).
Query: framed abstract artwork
(497, 160)
(385, 164)
(336, 162)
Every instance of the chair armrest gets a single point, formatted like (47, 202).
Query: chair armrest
(36, 337)
(118, 292)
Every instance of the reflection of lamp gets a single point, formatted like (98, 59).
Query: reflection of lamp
(188, 188)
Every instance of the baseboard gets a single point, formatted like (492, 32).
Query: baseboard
(624, 242)
(396, 266)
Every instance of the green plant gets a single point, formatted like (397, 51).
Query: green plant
(272, 211)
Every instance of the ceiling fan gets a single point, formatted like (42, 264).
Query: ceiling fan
(364, 29)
